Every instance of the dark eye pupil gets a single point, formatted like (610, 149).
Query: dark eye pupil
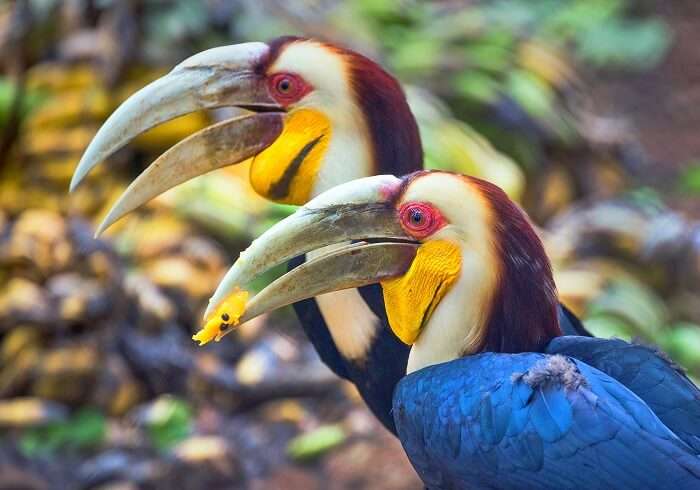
(284, 85)
(416, 216)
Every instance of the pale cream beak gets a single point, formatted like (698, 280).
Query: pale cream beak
(357, 217)
(224, 76)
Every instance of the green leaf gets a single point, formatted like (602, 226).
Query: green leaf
(682, 343)
(573, 17)
(264, 279)
(635, 304)
(509, 14)
(608, 326)
(690, 179)
(30, 100)
(309, 446)
(490, 57)
(477, 86)
(376, 8)
(182, 20)
(645, 42)
(534, 95)
(647, 199)
(84, 430)
(87, 428)
(417, 55)
(169, 421)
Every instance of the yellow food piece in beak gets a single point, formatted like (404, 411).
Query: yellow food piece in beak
(226, 315)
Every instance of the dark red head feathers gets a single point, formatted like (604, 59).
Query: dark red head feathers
(524, 313)
(394, 131)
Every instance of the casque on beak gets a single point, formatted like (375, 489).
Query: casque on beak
(358, 217)
(224, 76)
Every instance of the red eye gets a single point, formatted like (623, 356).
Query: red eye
(284, 85)
(288, 88)
(420, 219)
(417, 219)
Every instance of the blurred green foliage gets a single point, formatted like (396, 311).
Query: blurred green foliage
(477, 56)
(637, 310)
(595, 29)
(682, 344)
(689, 180)
(506, 67)
(309, 446)
(508, 58)
(168, 421)
(8, 92)
(631, 310)
(85, 429)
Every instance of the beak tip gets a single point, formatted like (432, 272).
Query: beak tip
(73, 184)
(79, 174)
(101, 229)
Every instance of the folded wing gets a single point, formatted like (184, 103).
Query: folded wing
(535, 421)
(652, 376)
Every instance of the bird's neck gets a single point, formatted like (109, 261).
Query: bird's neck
(393, 130)
(375, 133)
(456, 325)
(524, 308)
(356, 150)
(348, 157)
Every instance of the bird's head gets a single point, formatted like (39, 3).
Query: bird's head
(318, 115)
(461, 267)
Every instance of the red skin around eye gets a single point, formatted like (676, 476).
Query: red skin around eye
(432, 221)
(298, 88)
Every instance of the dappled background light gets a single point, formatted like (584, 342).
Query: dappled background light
(584, 111)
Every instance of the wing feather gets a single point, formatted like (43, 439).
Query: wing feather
(535, 421)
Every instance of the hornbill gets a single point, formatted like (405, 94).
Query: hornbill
(319, 115)
(494, 396)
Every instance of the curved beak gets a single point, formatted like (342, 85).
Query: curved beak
(351, 234)
(224, 76)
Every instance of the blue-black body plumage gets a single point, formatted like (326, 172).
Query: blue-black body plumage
(531, 420)
(385, 363)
